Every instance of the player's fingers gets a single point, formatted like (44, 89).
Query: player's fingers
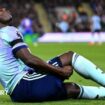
(68, 70)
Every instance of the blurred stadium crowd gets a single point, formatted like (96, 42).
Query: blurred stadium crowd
(39, 16)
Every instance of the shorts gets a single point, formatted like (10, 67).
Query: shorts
(47, 88)
(97, 30)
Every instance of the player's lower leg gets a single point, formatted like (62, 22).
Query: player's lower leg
(83, 66)
(92, 92)
(86, 92)
(99, 39)
(87, 69)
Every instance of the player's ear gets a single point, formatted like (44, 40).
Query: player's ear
(4, 9)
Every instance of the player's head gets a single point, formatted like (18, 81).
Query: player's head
(5, 16)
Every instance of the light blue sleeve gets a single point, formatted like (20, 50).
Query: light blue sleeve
(11, 33)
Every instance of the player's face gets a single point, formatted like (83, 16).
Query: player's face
(5, 15)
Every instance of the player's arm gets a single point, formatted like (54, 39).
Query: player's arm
(20, 50)
(35, 62)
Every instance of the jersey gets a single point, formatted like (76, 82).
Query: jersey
(96, 23)
(12, 69)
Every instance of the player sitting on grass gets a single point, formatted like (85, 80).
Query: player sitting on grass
(27, 78)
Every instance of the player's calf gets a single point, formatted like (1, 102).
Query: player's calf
(87, 69)
(73, 90)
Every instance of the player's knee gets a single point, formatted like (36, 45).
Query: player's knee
(71, 53)
(73, 90)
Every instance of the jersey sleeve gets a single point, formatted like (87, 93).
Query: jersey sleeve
(14, 38)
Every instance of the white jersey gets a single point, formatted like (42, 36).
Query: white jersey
(96, 23)
(12, 70)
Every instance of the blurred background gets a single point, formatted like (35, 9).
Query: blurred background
(58, 20)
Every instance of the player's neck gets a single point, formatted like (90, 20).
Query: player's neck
(2, 25)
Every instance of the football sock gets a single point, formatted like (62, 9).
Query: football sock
(90, 92)
(99, 39)
(92, 40)
(87, 69)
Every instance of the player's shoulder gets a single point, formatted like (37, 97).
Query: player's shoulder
(10, 33)
(9, 29)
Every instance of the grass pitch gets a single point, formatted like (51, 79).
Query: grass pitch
(95, 53)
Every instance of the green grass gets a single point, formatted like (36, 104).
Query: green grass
(46, 51)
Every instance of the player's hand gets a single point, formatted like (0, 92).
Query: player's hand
(67, 71)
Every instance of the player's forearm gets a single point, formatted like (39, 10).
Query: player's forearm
(36, 62)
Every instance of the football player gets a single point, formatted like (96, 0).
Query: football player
(27, 78)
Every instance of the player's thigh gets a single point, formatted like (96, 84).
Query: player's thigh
(73, 90)
(49, 88)
(44, 89)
